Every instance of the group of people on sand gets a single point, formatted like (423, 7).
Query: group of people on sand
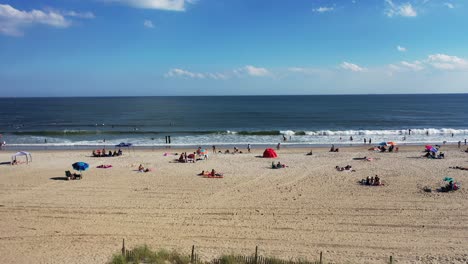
(433, 155)
(372, 181)
(278, 165)
(99, 153)
(451, 186)
(213, 173)
(143, 169)
(348, 168)
(184, 158)
(235, 151)
(392, 148)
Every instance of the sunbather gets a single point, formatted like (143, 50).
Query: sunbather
(214, 173)
(459, 168)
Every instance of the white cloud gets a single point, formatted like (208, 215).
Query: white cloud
(323, 9)
(183, 73)
(400, 48)
(441, 62)
(256, 71)
(148, 23)
(87, 15)
(248, 70)
(405, 9)
(415, 66)
(13, 21)
(449, 5)
(170, 5)
(308, 71)
(351, 67)
(447, 62)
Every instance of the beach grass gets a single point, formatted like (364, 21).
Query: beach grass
(143, 254)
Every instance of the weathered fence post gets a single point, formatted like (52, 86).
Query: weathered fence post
(391, 259)
(256, 254)
(123, 247)
(321, 260)
(192, 256)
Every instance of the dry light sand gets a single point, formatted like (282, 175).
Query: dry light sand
(292, 212)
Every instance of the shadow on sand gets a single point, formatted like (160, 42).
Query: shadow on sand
(59, 178)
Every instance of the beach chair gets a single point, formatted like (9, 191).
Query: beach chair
(72, 176)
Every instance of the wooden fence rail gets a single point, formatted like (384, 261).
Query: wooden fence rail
(253, 259)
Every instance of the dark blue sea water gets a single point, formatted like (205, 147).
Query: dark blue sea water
(225, 120)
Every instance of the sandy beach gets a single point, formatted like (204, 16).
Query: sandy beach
(292, 212)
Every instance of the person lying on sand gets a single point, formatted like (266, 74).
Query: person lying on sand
(348, 168)
(459, 168)
(364, 158)
(309, 153)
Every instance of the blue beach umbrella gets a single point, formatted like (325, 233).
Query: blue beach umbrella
(383, 144)
(80, 166)
(433, 150)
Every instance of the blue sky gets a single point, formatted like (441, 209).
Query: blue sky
(232, 47)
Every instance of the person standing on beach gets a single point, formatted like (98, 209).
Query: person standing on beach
(370, 141)
(459, 144)
(364, 141)
(248, 148)
(278, 146)
(465, 141)
(214, 149)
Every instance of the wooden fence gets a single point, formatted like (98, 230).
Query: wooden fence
(253, 259)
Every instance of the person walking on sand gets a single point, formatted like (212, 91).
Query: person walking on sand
(248, 148)
(459, 144)
(364, 141)
(278, 146)
(370, 141)
(214, 149)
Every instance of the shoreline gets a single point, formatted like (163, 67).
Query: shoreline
(284, 145)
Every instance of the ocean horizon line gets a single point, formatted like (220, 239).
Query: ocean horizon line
(227, 95)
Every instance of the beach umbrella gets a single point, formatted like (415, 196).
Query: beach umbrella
(391, 143)
(80, 166)
(203, 152)
(383, 144)
(429, 147)
(448, 179)
(433, 150)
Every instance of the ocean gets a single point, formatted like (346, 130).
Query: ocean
(309, 120)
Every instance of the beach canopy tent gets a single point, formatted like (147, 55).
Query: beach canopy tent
(22, 153)
(430, 148)
(269, 153)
